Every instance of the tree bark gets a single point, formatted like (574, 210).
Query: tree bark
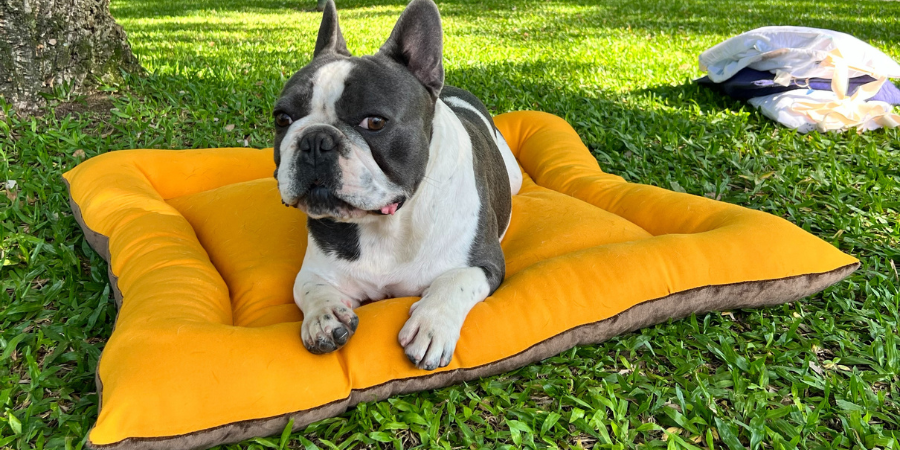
(49, 43)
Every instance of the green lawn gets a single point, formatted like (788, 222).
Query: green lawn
(820, 373)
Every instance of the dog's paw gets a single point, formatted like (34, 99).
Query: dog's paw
(429, 336)
(328, 329)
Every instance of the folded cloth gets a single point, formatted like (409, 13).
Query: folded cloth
(798, 52)
(812, 110)
(748, 83)
(796, 55)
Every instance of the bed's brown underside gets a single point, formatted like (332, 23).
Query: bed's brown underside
(674, 306)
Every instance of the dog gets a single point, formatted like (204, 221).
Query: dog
(406, 184)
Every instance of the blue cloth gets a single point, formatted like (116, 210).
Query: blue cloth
(749, 83)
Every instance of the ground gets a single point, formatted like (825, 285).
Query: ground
(820, 373)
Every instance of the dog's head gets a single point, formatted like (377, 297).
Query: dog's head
(352, 133)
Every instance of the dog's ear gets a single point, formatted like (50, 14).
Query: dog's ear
(330, 39)
(417, 43)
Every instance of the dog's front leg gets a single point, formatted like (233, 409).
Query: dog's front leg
(429, 336)
(328, 317)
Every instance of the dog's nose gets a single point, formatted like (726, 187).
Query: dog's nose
(317, 142)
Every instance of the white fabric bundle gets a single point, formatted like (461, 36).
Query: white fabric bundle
(799, 53)
(796, 109)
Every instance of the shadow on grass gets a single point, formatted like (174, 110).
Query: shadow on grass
(603, 118)
(651, 124)
(610, 123)
(692, 96)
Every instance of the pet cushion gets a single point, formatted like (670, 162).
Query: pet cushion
(206, 348)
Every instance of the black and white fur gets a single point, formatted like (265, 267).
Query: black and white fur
(415, 208)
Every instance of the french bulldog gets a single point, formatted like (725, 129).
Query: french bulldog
(405, 181)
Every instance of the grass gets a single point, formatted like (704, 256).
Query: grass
(821, 373)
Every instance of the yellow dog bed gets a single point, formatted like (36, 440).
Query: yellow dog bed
(206, 348)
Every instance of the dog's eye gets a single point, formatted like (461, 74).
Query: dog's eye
(373, 123)
(283, 120)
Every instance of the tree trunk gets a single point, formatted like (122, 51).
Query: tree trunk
(48, 43)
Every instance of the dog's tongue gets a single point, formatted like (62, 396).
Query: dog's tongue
(390, 209)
